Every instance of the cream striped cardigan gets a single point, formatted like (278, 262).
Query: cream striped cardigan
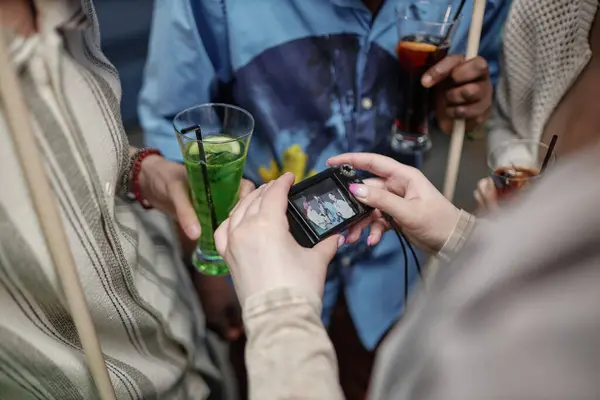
(144, 307)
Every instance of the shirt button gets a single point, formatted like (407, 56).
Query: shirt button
(367, 103)
(346, 262)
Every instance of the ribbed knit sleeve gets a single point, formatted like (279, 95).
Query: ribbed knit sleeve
(545, 48)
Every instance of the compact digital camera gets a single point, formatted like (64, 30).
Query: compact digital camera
(322, 205)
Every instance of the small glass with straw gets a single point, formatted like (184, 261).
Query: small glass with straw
(214, 141)
(515, 164)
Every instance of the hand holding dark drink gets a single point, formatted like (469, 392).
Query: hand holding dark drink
(430, 80)
(463, 90)
(425, 30)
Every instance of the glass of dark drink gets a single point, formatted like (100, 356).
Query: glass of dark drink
(425, 28)
(514, 165)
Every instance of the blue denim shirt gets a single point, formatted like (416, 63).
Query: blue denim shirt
(320, 77)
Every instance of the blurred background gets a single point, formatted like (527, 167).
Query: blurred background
(125, 27)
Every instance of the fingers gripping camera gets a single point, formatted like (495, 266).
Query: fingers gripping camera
(322, 205)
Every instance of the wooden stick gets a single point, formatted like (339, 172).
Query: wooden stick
(458, 132)
(30, 159)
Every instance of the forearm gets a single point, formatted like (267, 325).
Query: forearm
(288, 354)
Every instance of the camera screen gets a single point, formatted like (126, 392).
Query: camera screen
(324, 206)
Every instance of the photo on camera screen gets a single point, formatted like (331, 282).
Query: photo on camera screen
(324, 206)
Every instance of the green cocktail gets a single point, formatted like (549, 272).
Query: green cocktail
(225, 167)
(214, 158)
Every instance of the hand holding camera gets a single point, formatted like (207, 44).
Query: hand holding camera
(284, 236)
(261, 252)
(405, 194)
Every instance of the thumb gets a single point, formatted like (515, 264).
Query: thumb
(184, 211)
(246, 187)
(383, 200)
(329, 247)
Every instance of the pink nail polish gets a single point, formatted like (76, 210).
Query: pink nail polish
(369, 241)
(359, 190)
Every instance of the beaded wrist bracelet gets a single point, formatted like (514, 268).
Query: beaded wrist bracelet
(131, 177)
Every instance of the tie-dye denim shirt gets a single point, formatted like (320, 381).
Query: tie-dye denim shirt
(320, 77)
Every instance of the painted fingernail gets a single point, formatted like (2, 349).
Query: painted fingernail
(359, 190)
(369, 240)
(193, 231)
(341, 241)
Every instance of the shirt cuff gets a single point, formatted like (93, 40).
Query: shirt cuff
(455, 242)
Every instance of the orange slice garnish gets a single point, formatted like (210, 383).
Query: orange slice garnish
(418, 46)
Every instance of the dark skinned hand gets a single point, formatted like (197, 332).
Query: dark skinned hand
(463, 90)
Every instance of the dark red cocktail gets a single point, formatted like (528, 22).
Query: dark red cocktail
(416, 54)
(515, 164)
(508, 180)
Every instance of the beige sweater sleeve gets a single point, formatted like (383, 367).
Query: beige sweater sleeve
(288, 354)
(462, 230)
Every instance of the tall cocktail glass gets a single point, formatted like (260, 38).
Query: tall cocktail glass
(214, 140)
(425, 29)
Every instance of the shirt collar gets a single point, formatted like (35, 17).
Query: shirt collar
(63, 14)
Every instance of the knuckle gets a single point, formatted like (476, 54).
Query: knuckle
(460, 112)
(262, 224)
(417, 173)
(451, 61)
(436, 71)
(453, 96)
(369, 163)
(455, 60)
(472, 91)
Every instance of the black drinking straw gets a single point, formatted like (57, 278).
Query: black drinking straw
(456, 16)
(209, 198)
(549, 153)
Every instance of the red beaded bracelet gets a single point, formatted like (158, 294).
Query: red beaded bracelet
(135, 175)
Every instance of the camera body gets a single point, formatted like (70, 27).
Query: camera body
(322, 205)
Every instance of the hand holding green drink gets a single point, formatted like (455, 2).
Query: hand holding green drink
(214, 140)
